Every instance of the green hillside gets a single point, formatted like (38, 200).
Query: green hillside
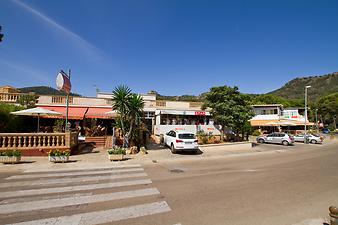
(320, 86)
(44, 90)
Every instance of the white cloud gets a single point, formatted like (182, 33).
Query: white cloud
(27, 72)
(78, 40)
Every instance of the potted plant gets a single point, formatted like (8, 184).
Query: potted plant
(58, 156)
(11, 156)
(116, 153)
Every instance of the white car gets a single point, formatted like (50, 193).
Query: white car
(312, 138)
(181, 141)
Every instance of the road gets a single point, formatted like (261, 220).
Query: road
(276, 185)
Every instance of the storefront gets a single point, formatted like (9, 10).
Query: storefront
(187, 120)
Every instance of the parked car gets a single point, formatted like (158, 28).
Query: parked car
(181, 141)
(311, 138)
(277, 138)
(326, 130)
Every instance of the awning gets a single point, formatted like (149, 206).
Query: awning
(78, 113)
(183, 112)
(268, 123)
(98, 113)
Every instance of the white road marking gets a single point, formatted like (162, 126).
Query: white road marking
(70, 180)
(25, 176)
(105, 216)
(35, 170)
(75, 200)
(19, 193)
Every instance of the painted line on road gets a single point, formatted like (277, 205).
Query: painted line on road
(37, 170)
(105, 216)
(27, 176)
(78, 200)
(19, 193)
(70, 180)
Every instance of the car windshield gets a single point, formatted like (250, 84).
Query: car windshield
(186, 136)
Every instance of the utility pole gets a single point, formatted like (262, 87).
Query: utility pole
(305, 118)
(67, 106)
(316, 115)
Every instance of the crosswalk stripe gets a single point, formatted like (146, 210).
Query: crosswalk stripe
(26, 176)
(62, 202)
(70, 180)
(105, 216)
(38, 170)
(19, 193)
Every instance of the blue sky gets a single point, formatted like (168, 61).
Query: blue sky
(174, 47)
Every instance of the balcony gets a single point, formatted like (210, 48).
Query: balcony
(11, 97)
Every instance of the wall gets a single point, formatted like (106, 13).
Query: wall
(162, 129)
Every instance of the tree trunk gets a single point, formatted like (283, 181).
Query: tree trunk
(128, 135)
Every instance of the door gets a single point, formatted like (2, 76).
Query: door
(270, 138)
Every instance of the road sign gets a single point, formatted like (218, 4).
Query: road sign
(63, 82)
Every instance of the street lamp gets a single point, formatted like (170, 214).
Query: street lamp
(316, 111)
(306, 87)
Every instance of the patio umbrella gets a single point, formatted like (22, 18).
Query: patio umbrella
(36, 112)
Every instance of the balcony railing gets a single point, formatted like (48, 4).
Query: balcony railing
(11, 97)
(61, 100)
(23, 141)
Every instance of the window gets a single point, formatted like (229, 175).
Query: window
(186, 136)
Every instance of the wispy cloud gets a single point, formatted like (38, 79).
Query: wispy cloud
(26, 72)
(80, 42)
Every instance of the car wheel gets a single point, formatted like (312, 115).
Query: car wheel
(285, 143)
(173, 150)
(313, 141)
(261, 141)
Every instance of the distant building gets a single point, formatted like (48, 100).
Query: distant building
(273, 117)
(8, 89)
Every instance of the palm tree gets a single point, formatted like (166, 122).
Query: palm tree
(135, 113)
(130, 109)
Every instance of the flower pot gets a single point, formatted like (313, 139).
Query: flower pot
(62, 158)
(118, 157)
(10, 159)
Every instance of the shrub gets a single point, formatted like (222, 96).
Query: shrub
(117, 151)
(11, 153)
(256, 133)
(59, 153)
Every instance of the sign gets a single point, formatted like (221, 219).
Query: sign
(199, 113)
(63, 82)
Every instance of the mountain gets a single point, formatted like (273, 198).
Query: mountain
(44, 90)
(320, 86)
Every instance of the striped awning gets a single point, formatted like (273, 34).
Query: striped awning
(274, 123)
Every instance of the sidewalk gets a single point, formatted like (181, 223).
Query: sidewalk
(98, 158)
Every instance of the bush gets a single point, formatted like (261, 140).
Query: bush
(11, 153)
(256, 133)
(59, 153)
(117, 151)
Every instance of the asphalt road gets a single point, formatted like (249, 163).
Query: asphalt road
(275, 185)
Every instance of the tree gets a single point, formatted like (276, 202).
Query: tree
(27, 101)
(328, 108)
(1, 35)
(229, 108)
(15, 124)
(130, 109)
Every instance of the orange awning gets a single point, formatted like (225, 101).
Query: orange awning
(98, 113)
(269, 123)
(78, 113)
(75, 113)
